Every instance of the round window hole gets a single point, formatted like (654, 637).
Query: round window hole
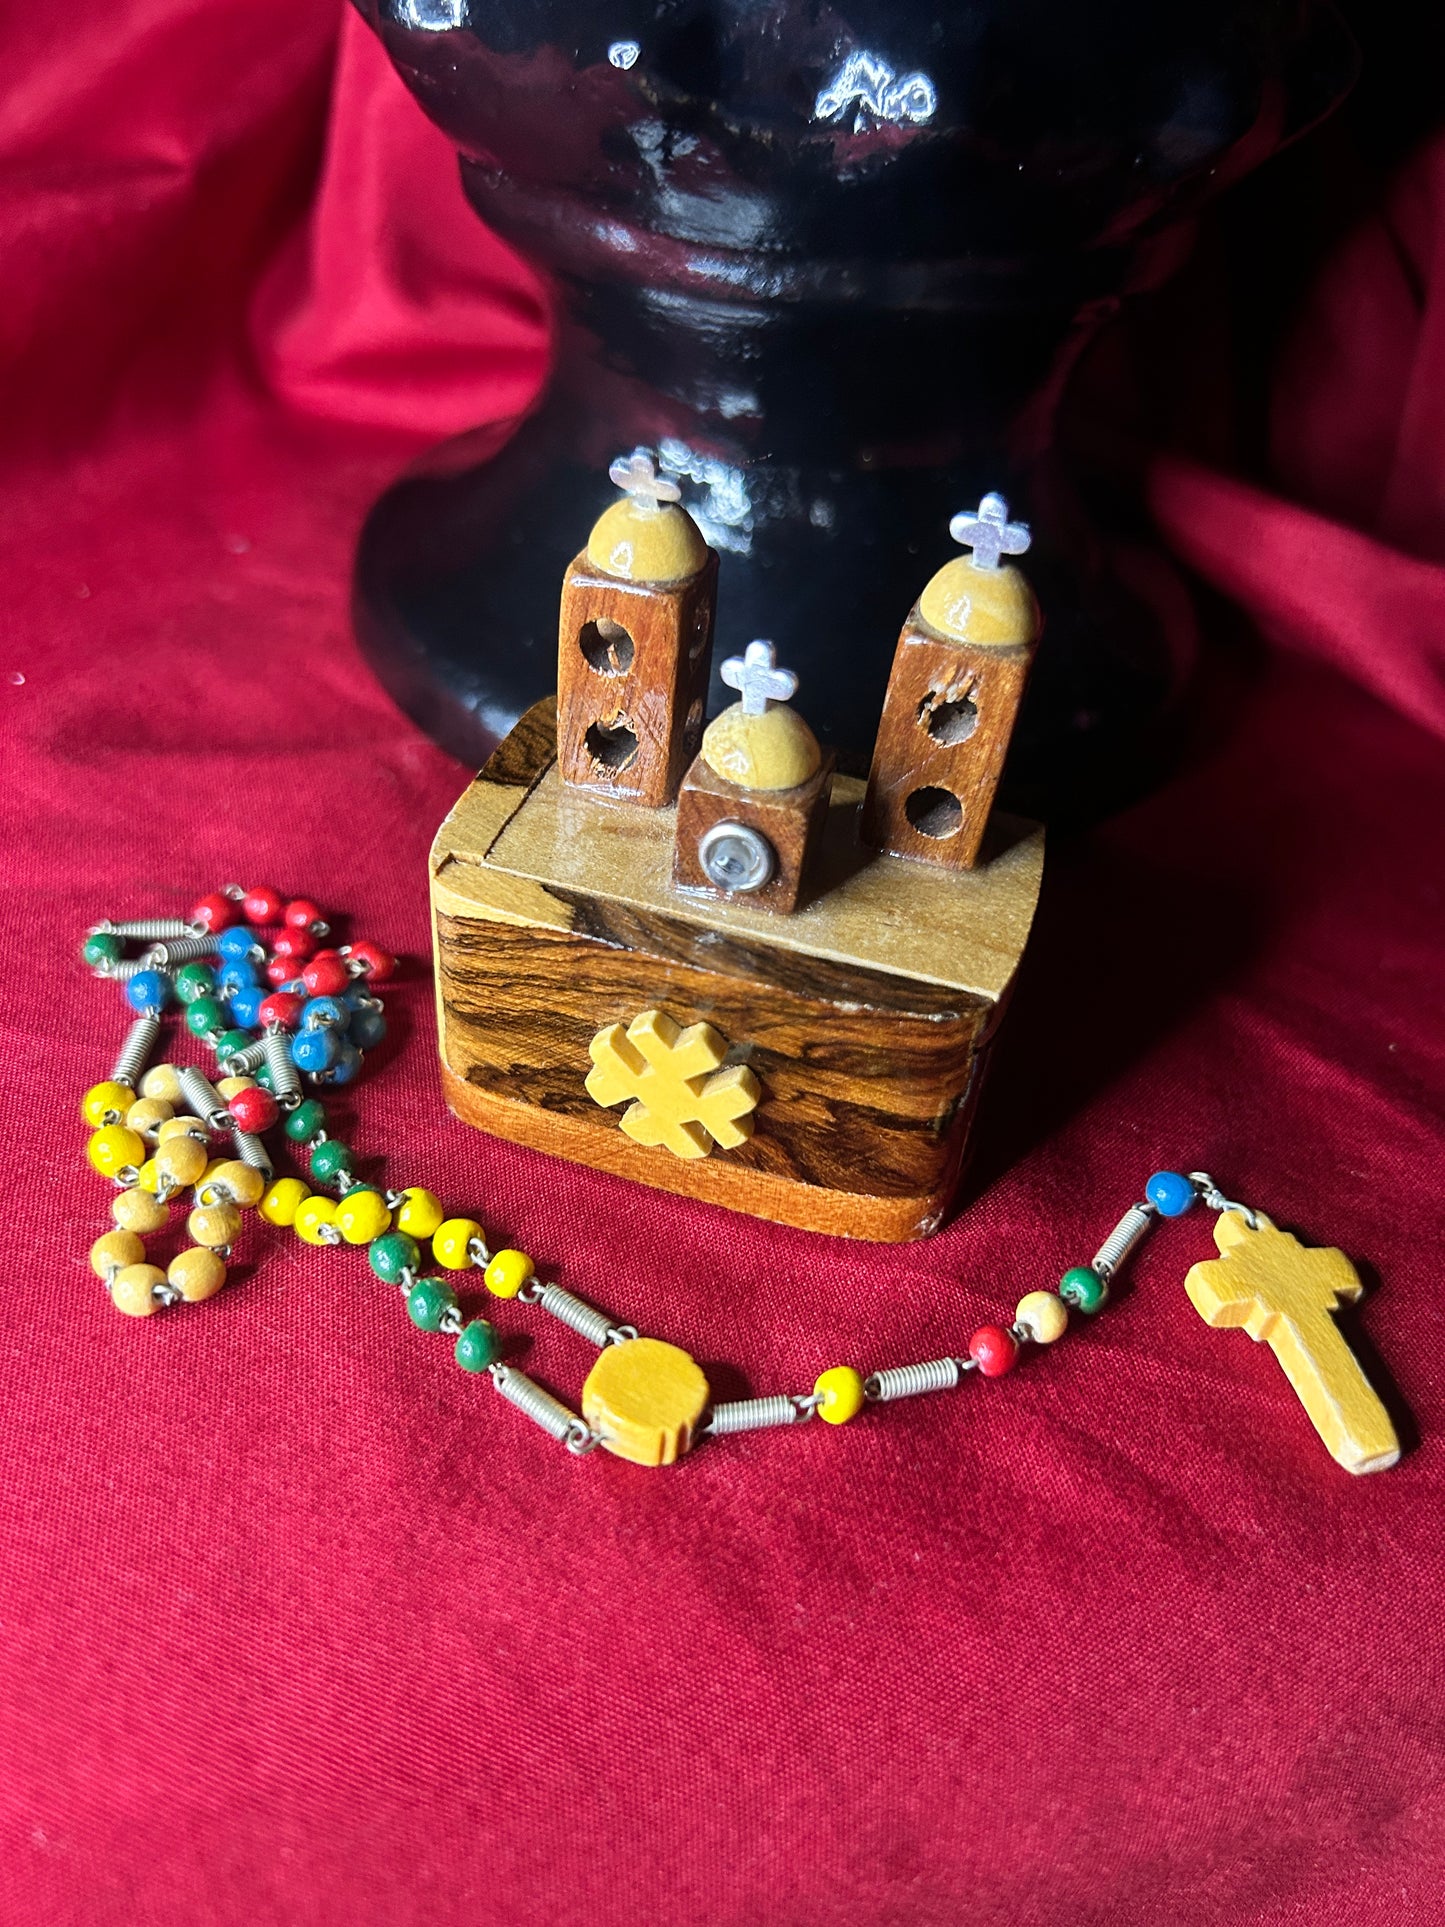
(611, 745)
(606, 646)
(952, 722)
(934, 812)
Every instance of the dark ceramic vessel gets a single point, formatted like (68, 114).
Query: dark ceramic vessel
(834, 262)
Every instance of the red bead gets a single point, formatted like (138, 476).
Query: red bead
(262, 906)
(994, 1350)
(302, 914)
(376, 964)
(280, 970)
(295, 944)
(254, 1110)
(216, 912)
(326, 975)
(283, 1007)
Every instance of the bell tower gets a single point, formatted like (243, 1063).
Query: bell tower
(635, 643)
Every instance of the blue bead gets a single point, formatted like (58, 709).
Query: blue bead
(315, 1050)
(1169, 1193)
(239, 974)
(348, 1061)
(295, 988)
(325, 1013)
(368, 1027)
(148, 990)
(246, 1005)
(356, 997)
(237, 944)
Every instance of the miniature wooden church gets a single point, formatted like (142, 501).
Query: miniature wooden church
(703, 958)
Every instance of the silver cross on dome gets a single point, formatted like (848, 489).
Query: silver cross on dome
(990, 533)
(758, 678)
(636, 474)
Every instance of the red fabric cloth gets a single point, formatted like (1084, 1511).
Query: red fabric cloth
(298, 1624)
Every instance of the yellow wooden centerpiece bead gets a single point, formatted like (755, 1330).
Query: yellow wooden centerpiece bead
(113, 1147)
(147, 1115)
(161, 1081)
(644, 1399)
(312, 1217)
(283, 1200)
(106, 1103)
(139, 1211)
(362, 1216)
(181, 1160)
(507, 1272)
(215, 1225)
(114, 1252)
(450, 1241)
(197, 1274)
(133, 1290)
(230, 1181)
(420, 1213)
(183, 1127)
(1042, 1315)
(840, 1392)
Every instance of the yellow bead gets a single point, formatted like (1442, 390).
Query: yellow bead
(841, 1390)
(114, 1252)
(507, 1273)
(313, 1217)
(1043, 1315)
(450, 1240)
(181, 1161)
(183, 1127)
(138, 1211)
(148, 1178)
(106, 1104)
(282, 1201)
(214, 1225)
(420, 1213)
(133, 1290)
(646, 543)
(147, 1115)
(230, 1181)
(197, 1274)
(362, 1217)
(113, 1147)
(230, 1087)
(161, 1081)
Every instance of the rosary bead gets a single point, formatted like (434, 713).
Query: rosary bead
(230, 1043)
(182, 1127)
(238, 945)
(420, 1212)
(315, 1216)
(1170, 1194)
(279, 972)
(368, 1027)
(305, 1121)
(161, 1081)
(302, 914)
(148, 1178)
(246, 1005)
(362, 1215)
(478, 1346)
(237, 973)
(181, 1160)
(216, 1225)
(263, 906)
(450, 1241)
(147, 1115)
(216, 912)
(230, 1087)
(331, 1161)
(194, 980)
(346, 1064)
(392, 1254)
(376, 964)
(326, 975)
(113, 1147)
(282, 1007)
(507, 1272)
(104, 947)
(197, 1273)
(106, 1103)
(1083, 1288)
(295, 946)
(206, 1017)
(315, 1050)
(325, 1013)
(428, 1302)
(253, 1109)
(840, 1392)
(148, 990)
(138, 1211)
(230, 1181)
(1044, 1317)
(994, 1350)
(114, 1252)
(133, 1290)
(283, 1200)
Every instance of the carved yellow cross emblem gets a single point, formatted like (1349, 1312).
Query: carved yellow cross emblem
(1284, 1293)
(679, 1096)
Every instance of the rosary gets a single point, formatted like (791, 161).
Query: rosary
(155, 1131)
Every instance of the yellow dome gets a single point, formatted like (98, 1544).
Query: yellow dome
(774, 751)
(646, 544)
(969, 604)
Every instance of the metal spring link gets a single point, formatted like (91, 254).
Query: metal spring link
(908, 1381)
(584, 1319)
(242, 1062)
(1122, 1239)
(202, 1097)
(285, 1078)
(539, 1405)
(122, 969)
(250, 1150)
(178, 950)
(140, 1041)
(146, 929)
(753, 1414)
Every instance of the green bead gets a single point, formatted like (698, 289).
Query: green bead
(329, 1160)
(262, 1073)
(204, 1015)
(230, 1041)
(305, 1121)
(428, 1302)
(391, 1254)
(478, 1346)
(194, 980)
(1083, 1288)
(103, 947)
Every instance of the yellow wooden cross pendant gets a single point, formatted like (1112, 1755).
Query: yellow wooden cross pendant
(1284, 1292)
